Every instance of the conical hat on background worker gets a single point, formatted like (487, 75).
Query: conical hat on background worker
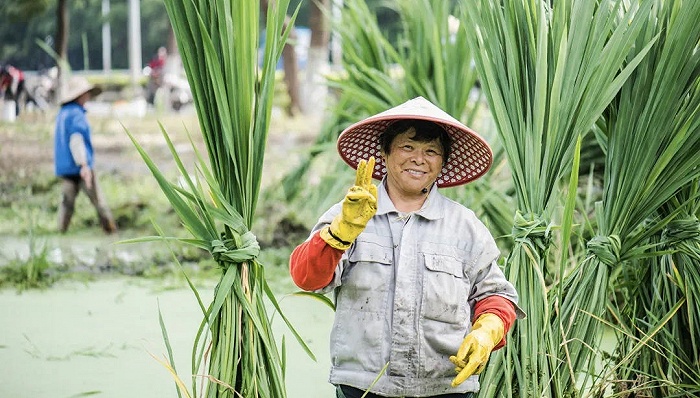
(75, 87)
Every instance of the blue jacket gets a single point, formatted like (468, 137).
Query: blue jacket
(71, 119)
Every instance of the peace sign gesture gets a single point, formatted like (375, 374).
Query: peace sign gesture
(359, 206)
(363, 182)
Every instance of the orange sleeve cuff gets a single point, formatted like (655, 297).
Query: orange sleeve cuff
(502, 308)
(312, 263)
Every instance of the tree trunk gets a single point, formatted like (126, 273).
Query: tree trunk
(61, 46)
(314, 87)
(171, 45)
(62, 28)
(291, 74)
(291, 69)
(173, 64)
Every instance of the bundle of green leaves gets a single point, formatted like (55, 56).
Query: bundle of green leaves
(218, 42)
(548, 72)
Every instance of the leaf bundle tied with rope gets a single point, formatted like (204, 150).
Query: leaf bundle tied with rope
(233, 93)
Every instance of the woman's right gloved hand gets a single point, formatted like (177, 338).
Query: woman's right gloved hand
(359, 205)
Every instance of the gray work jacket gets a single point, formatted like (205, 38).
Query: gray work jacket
(404, 296)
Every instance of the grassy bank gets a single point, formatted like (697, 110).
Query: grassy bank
(33, 254)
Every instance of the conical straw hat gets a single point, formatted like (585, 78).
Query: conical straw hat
(75, 87)
(471, 156)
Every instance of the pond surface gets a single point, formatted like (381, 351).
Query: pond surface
(96, 339)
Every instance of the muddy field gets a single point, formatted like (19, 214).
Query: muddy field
(89, 326)
(29, 191)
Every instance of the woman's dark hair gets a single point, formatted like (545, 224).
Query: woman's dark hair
(425, 131)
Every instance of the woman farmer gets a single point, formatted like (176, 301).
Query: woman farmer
(414, 274)
(74, 155)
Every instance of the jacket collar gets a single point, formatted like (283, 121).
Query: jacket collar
(433, 208)
(74, 104)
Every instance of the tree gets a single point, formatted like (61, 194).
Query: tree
(17, 18)
(291, 69)
(61, 46)
(24, 23)
(314, 86)
(23, 9)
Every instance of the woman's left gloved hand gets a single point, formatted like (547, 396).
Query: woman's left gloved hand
(487, 331)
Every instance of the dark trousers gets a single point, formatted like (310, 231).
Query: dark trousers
(343, 391)
(18, 95)
(69, 191)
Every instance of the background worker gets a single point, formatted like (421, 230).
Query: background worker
(414, 273)
(74, 155)
(12, 86)
(156, 74)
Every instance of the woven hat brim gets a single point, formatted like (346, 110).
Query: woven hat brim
(471, 156)
(76, 88)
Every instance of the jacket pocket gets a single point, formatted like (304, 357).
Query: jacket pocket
(445, 288)
(362, 299)
(369, 266)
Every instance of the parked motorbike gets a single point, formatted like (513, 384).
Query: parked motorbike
(41, 89)
(167, 88)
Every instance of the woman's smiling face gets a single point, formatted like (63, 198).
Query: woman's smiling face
(412, 165)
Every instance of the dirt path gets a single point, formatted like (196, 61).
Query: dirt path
(26, 146)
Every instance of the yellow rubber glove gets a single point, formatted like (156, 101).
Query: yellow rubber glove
(359, 205)
(487, 331)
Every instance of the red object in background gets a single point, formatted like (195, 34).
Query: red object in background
(10, 77)
(12, 86)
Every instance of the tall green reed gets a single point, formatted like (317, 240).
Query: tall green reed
(651, 203)
(234, 349)
(652, 145)
(548, 72)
